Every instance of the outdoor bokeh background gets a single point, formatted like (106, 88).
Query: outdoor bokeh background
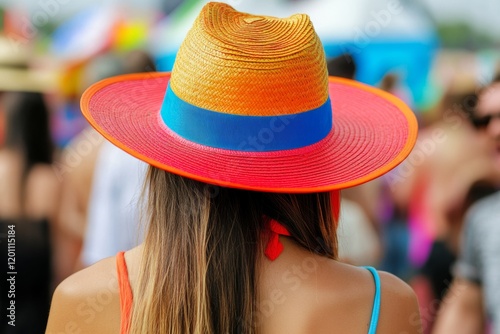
(408, 38)
(434, 55)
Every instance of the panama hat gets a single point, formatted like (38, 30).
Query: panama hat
(249, 105)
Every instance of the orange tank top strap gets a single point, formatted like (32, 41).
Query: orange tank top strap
(125, 293)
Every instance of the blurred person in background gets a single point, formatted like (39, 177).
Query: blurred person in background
(359, 241)
(29, 194)
(475, 295)
(113, 221)
(449, 160)
(391, 213)
(99, 183)
(342, 66)
(75, 168)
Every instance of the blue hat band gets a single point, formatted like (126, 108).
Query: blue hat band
(245, 133)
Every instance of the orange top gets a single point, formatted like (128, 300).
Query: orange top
(125, 293)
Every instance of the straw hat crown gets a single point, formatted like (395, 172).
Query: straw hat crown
(243, 64)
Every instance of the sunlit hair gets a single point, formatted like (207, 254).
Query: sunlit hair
(202, 251)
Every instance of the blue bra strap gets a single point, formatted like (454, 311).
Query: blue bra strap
(376, 302)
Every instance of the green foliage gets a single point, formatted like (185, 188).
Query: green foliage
(2, 13)
(462, 35)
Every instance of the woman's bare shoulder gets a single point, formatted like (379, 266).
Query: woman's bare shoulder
(399, 311)
(87, 301)
(352, 296)
(330, 296)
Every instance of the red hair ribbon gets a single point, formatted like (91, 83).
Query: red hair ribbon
(275, 229)
(274, 246)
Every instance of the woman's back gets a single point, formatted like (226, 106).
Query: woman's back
(300, 293)
(306, 293)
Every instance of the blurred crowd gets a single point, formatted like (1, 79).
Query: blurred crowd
(75, 199)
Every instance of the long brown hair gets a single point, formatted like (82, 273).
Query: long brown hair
(202, 249)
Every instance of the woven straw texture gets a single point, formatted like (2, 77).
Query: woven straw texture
(243, 64)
